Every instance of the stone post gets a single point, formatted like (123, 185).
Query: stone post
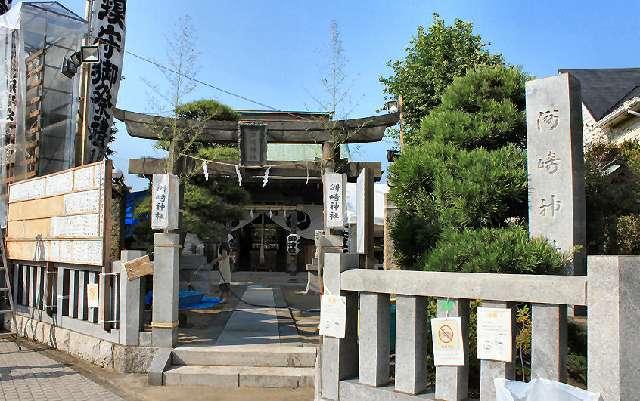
(549, 342)
(374, 339)
(130, 305)
(165, 289)
(339, 357)
(613, 331)
(452, 382)
(411, 344)
(490, 370)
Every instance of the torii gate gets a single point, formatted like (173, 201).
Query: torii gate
(299, 131)
(253, 135)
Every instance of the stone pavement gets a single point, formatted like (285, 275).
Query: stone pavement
(253, 323)
(30, 375)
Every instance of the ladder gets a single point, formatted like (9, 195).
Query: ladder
(5, 291)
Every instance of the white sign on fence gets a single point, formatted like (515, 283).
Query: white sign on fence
(333, 316)
(334, 200)
(165, 202)
(494, 334)
(93, 300)
(448, 348)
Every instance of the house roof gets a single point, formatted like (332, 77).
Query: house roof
(604, 90)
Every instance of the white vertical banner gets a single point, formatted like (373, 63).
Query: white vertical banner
(108, 32)
(334, 200)
(165, 202)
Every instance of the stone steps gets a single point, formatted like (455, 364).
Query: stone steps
(246, 355)
(240, 376)
(232, 366)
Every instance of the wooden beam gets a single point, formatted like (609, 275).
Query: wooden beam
(279, 169)
(360, 130)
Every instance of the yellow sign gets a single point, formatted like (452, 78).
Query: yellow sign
(448, 348)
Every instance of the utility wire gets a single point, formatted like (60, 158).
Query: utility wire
(198, 81)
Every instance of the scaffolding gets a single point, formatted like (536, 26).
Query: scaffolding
(38, 104)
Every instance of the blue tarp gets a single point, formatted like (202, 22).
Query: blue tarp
(189, 300)
(132, 200)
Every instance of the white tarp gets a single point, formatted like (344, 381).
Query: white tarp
(540, 390)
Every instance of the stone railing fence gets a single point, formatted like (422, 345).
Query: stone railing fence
(57, 295)
(358, 366)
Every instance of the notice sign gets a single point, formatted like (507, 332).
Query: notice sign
(448, 348)
(494, 334)
(333, 316)
(92, 296)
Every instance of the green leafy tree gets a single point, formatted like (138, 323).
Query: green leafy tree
(461, 185)
(209, 205)
(612, 178)
(434, 57)
(484, 109)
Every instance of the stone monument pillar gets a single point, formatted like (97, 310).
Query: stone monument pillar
(555, 164)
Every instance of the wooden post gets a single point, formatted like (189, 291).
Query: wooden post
(330, 155)
(83, 110)
(401, 136)
(104, 288)
(390, 210)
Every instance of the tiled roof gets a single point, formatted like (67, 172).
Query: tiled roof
(603, 90)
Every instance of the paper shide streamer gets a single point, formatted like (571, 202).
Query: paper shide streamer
(205, 170)
(239, 175)
(265, 180)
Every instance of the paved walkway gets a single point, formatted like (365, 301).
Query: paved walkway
(253, 323)
(29, 375)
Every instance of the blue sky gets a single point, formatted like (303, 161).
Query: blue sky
(274, 51)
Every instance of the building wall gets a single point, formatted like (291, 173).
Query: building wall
(590, 131)
(628, 130)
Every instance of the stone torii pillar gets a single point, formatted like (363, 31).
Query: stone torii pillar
(166, 246)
